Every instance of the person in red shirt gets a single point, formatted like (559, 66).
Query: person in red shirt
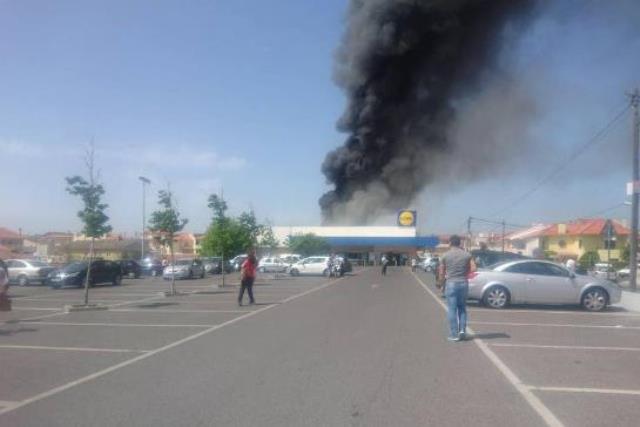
(247, 277)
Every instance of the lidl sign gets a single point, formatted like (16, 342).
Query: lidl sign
(407, 218)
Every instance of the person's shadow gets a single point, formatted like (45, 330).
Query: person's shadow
(490, 335)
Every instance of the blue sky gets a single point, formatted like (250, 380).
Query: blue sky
(239, 94)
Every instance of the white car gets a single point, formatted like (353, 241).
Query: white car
(318, 265)
(290, 258)
(272, 265)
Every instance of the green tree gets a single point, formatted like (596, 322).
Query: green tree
(93, 216)
(268, 239)
(226, 238)
(308, 244)
(251, 227)
(165, 223)
(219, 207)
(589, 259)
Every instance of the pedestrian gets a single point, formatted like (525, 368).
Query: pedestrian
(414, 264)
(248, 276)
(571, 265)
(385, 263)
(5, 302)
(455, 266)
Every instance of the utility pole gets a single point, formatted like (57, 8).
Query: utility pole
(504, 225)
(468, 233)
(633, 261)
(145, 182)
(223, 245)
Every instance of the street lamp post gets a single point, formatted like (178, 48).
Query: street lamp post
(145, 182)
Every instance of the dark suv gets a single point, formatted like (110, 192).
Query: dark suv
(75, 273)
(131, 268)
(151, 267)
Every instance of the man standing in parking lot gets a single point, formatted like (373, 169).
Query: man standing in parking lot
(248, 276)
(455, 267)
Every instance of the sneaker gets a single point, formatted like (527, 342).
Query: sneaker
(453, 339)
(462, 336)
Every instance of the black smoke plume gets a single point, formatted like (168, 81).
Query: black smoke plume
(403, 64)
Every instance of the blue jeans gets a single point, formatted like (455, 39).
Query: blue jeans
(456, 292)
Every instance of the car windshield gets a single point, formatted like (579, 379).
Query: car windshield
(184, 262)
(74, 267)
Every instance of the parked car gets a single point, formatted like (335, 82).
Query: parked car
(430, 264)
(272, 265)
(318, 265)
(74, 274)
(624, 273)
(290, 258)
(131, 268)
(485, 258)
(347, 267)
(213, 265)
(540, 282)
(603, 270)
(236, 262)
(184, 269)
(151, 267)
(25, 272)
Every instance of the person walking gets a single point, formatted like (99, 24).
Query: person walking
(5, 302)
(455, 266)
(385, 263)
(247, 277)
(414, 264)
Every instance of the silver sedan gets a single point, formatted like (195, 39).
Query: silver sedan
(540, 282)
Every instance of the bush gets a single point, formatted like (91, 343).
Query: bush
(589, 259)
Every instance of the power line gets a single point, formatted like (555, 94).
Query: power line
(573, 156)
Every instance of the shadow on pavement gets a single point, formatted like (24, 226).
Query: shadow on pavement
(156, 304)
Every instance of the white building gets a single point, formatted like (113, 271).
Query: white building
(363, 242)
(527, 241)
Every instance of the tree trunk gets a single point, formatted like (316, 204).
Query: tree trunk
(173, 270)
(88, 277)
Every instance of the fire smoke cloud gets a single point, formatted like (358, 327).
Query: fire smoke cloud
(406, 67)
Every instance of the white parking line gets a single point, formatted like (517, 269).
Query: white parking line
(162, 310)
(18, 308)
(142, 325)
(7, 403)
(557, 325)
(545, 413)
(566, 347)
(146, 355)
(88, 349)
(586, 390)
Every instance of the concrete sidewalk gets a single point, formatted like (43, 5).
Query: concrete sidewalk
(630, 301)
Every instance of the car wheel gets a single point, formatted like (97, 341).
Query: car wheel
(496, 297)
(23, 280)
(294, 272)
(117, 281)
(262, 270)
(595, 299)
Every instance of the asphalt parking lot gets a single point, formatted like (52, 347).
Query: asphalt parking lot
(373, 345)
(43, 348)
(582, 366)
